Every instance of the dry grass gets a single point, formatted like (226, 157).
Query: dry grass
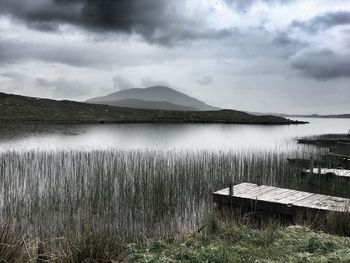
(11, 243)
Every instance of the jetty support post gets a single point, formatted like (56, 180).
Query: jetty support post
(312, 165)
(319, 169)
(230, 187)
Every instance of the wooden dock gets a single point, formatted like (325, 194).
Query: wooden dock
(334, 182)
(330, 172)
(269, 199)
(304, 163)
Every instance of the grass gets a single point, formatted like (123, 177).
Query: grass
(11, 243)
(237, 242)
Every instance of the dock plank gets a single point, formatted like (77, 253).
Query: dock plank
(295, 198)
(257, 191)
(326, 171)
(280, 200)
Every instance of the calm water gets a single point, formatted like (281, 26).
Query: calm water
(164, 136)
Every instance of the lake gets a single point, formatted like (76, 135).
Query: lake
(137, 181)
(164, 136)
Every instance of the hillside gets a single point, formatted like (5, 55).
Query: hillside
(15, 108)
(157, 95)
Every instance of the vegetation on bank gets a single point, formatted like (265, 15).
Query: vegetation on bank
(245, 243)
(14, 108)
(218, 242)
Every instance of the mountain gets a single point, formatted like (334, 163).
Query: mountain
(157, 95)
(21, 109)
(143, 104)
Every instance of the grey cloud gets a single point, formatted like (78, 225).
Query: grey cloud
(283, 39)
(322, 64)
(13, 75)
(288, 44)
(17, 51)
(242, 5)
(12, 52)
(324, 21)
(205, 80)
(120, 83)
(147, 82)
(62, 87)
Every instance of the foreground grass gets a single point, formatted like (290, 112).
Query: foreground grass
(243, 243)
(217, 243)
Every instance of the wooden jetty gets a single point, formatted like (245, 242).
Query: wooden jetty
(340, 160)
(337, 146)
(325, 142)
(274, 200)
(340, 148)
(304, 163)
(329, 172)
(335, 182)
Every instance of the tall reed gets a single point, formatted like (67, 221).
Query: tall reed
(131, 195)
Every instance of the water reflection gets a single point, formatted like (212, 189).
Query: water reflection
(162, 136)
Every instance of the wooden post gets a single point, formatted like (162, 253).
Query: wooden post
(319, 177)
(259, 181)
(231, 189)
(312, 165)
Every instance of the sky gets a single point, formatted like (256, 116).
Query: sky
(286, 56)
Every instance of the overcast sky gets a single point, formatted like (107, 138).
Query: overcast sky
(268, 56)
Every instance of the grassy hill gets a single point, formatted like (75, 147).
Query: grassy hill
(15, 108)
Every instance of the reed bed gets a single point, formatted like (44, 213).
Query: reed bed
(130, 195)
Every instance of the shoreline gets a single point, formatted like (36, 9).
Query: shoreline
(82, 122)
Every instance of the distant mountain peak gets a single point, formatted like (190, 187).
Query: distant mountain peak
(164, 97)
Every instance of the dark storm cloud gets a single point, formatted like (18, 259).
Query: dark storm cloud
(322, 64)
(157, 21)
(42, 14)
(98, 14)
(324, 21)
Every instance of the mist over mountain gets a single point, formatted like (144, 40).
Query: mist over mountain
(143, 104)
(156, 97)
